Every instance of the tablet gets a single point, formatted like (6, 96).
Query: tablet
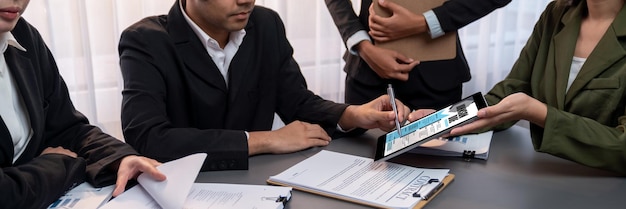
(429, 127)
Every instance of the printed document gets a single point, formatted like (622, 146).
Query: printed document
(180, 191)
(359, 179)
(171, 193)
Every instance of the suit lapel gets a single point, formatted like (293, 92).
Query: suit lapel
(6, 146)
(564, 46)
(22, 72)
(199, 63)
(189, 47)
(241, 64)
(608, 51)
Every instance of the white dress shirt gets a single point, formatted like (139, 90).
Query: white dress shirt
(12, 109)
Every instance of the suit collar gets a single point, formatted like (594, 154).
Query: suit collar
(619, 24)
(564, 46)
(608, 51)
(21, 69)
(6, 146)
(242, 62)
(198, 61)
(190, 49)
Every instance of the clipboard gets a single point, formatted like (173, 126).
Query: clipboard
(420, 47)
(445, 182)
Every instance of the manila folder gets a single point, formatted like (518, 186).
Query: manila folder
(420, 47)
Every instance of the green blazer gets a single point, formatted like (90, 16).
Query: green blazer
(585, 124)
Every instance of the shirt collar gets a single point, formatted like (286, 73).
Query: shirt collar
(236, 37)
(7, 39)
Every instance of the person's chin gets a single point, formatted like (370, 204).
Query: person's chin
(238, 26)
(6, 26)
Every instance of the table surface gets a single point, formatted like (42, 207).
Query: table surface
(514, 176)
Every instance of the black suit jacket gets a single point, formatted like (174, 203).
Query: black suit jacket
(35, 181)
(439, 75)
(176, 102)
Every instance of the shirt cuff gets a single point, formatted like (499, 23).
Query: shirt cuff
(434, 27)
(355, 39)
(341, 129)
(247, 135)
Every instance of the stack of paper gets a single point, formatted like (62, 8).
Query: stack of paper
(466, 146)
(178, 191)
(171, 193)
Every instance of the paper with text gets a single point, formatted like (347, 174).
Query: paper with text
(214, 196)
(226, 196)
(382, 184)
(168, 194)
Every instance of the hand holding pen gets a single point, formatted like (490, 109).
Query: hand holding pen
(392, 100)
(377, 113)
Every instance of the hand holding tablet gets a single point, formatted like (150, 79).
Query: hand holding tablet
(429, 127)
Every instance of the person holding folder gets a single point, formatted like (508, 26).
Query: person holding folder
(47, 146)
(209, 76)
(428, 84)
(568, 82)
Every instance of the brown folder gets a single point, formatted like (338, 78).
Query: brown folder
(420, 47)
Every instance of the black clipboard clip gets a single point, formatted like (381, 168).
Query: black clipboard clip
(280, 198)
(468, 155)
(432, 192)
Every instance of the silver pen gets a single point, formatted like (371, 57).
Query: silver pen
(392, 100)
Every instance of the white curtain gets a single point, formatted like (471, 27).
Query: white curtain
(83, 36)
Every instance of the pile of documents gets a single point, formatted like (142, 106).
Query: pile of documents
(177, 191)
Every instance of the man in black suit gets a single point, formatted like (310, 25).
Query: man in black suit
(46, 146)
(432, 84)
(209, 76)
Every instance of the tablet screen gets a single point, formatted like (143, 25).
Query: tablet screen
(429, 127)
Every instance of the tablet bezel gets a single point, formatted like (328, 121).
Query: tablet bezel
(381, 142)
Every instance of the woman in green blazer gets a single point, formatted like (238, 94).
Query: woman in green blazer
(569, 82)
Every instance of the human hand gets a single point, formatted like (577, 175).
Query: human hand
(58, 150)
(400, 24)
(377, 113)
(387, 64)
(131, 166)
(518, 106)
(417, 114)
(293, 137)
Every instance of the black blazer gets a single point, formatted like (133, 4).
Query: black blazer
(176, 102)
(36, 181)
(440, 75)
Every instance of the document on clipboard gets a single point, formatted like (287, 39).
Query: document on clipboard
(420, 47)
(364, 181)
